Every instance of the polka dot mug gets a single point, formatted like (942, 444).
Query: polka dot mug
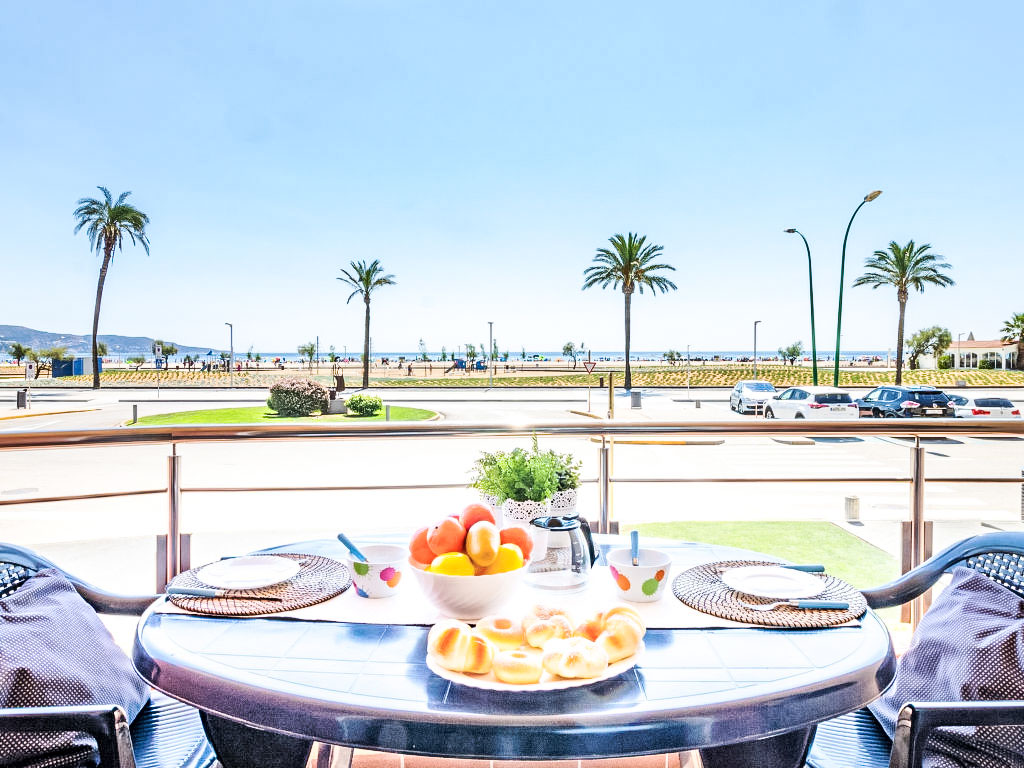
(381, 574)
(643, 583)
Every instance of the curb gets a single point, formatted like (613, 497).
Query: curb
(46, 413)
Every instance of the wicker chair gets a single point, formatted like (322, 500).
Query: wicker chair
(857, 738)
(166, 733)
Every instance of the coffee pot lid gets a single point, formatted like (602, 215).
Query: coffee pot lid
(557, 522)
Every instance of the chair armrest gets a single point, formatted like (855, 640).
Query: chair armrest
(107, 724)
(917, 720)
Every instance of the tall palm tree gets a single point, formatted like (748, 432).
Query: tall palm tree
(628, 264)
(1013, 331)
(364, 279)
(906, 267)
(106, 222)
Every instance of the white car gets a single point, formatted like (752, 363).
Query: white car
(819, 403)
(750, 395)
(983, 407)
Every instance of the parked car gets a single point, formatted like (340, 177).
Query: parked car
(984, 407)
(750, 395)
(820, 403)
(890, 401)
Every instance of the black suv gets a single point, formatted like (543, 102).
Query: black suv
(892, 401)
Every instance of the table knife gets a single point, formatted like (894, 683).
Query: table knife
(204, 592)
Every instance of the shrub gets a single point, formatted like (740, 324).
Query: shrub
(945, 362)
(297, 397)
(986, 365)
(364, 405)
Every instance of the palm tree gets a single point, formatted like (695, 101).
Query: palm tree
(628, 264)
(910, 266)
(1013, 331)
(106, 223)
(364, 279)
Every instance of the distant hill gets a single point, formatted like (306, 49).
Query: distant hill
(79, 344)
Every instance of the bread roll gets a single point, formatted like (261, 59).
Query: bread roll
(518, 667)
(625, 610)
(457, 647)
(590, 628)
(540, 632)
(505, 633)
(575, 657)
(621, 637)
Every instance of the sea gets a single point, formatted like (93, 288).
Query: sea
(600, 355)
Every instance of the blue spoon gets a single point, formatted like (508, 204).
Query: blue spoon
(352, 548)
(634, 546)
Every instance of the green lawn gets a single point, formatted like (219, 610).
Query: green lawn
(843, 554)
(260, 414)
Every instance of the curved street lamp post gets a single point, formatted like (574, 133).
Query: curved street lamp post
(810, 285)
(842, 270)
(755, 347)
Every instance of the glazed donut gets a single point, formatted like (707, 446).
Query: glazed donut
(543, 613)
(574, 657)
(506, 634)
(621, 637)
(540, 632)
(518, 667)
(457, 647)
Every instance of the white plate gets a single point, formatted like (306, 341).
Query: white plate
(249, 572)
(548, 682)
(773, 581)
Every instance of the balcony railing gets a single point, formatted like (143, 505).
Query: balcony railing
(603, 433)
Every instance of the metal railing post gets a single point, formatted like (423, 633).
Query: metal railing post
(917, 536)
(173, 513)
(604, 481)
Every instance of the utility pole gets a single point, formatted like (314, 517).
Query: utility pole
(755, 347)
(490, 348)
(231, 359)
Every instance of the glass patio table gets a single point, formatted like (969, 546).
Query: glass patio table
(268, 687)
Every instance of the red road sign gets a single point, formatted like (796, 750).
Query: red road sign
(589, 365)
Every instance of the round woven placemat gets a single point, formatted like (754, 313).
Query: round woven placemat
(702, 588)
(319, 579)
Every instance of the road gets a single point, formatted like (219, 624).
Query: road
(90, 533)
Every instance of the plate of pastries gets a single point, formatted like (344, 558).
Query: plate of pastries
(544, 650)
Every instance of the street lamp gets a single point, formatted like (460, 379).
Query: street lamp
(490, 346)
(755, 347)
(958, 337)
(687, 371)
(810, 285)
(842, 270)
(231, 360)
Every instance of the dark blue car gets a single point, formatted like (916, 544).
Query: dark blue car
(890, 401)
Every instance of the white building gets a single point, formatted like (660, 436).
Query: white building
(968, 353)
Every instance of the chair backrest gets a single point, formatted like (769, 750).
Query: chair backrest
(12, 576)
(1002, 567)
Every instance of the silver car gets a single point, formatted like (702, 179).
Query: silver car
(750, 395)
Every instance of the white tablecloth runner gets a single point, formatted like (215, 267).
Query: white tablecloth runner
(410, 606)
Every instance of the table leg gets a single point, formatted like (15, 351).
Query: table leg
(241, 746)
(788, 750)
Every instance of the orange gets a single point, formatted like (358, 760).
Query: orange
(482, 542)
(418, 548)
(519, 536)
(446, 536)
(474, 513)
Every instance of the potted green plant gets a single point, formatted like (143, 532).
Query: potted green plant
(523, 483)
(567, 467)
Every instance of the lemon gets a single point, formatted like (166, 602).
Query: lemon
(452, 564)
(510, 558)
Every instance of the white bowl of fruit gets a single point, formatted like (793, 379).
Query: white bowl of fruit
(466, 565)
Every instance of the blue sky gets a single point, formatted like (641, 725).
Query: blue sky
(483, 151)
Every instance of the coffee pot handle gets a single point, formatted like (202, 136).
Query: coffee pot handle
(585, 527)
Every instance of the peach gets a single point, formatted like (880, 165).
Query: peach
(474, 513)
(519, 536)
(446, 536)
(419, 549)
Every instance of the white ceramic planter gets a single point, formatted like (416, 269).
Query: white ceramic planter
(564, 502)
(522, 512)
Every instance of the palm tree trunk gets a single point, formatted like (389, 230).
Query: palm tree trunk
(366, 344)
(108, 251)
(899, 342)
(629, 377)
